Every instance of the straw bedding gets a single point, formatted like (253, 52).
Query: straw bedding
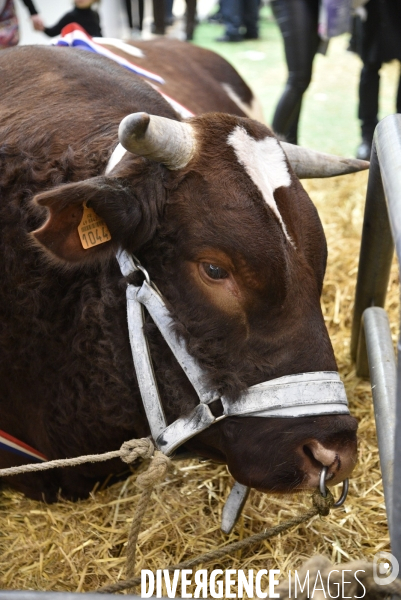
(78, 547)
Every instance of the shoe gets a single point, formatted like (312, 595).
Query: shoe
(229, 38)
(136, 34)
(216, 18)
(364, 149)
(250, 36)
(157, 30)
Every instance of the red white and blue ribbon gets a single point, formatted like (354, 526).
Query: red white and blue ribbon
(10, 443)
(74, 35)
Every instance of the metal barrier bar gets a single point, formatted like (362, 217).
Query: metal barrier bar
(376, 338)
(380, 225)
(388, 143)
(375, 257)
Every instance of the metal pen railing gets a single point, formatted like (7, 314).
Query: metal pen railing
(371, 343)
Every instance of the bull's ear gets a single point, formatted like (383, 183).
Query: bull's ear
(94, 217)
(59, 234)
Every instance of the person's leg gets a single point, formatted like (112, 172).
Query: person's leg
(141, 10)
(231, 11)
(190, 19)
(128, 8)
(368, 107)
(292, 131)
(168, 7)
(369, 99)
(216, 17)
(250, 18)
(298, 22)
(158, 16)
(135, 16)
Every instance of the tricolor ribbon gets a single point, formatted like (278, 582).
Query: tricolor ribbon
(10, 443)
(74, 35)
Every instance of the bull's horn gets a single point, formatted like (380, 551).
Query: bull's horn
(309, 164)
(158, 138)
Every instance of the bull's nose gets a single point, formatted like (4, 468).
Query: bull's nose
(340, 462)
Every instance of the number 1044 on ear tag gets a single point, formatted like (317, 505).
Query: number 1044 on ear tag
(92, 229)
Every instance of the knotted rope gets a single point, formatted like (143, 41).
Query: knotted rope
(129, 452)
(143, 448)
(321, 506)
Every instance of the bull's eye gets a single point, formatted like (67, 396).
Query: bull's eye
(214, 272)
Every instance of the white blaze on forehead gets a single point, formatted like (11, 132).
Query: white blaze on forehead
(117, 154)
(264, 161)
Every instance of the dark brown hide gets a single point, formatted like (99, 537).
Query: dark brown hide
(67, 383)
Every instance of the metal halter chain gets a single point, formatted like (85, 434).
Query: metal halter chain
(300, 395)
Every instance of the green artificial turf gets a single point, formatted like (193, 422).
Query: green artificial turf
(329, 115)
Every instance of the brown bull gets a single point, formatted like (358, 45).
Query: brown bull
(217, 216)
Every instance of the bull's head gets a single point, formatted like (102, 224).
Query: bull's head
(215, 213)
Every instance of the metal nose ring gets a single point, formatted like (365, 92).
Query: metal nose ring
(322, 488)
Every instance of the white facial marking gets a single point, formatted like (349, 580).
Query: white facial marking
(115, 158)
(264, 161)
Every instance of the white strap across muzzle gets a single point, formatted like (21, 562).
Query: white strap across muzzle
(299, 395)
(316, 393)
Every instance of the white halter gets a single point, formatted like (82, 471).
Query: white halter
(300, 395)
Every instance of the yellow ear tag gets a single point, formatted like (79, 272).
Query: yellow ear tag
(92, 229)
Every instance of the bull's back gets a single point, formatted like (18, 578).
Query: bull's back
(194, 76)
(74, 94)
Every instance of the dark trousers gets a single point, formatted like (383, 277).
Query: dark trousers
(369, 99)
(237, 13)
(298, 22)
(136, 21)
(159, 14)
(168, 7)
